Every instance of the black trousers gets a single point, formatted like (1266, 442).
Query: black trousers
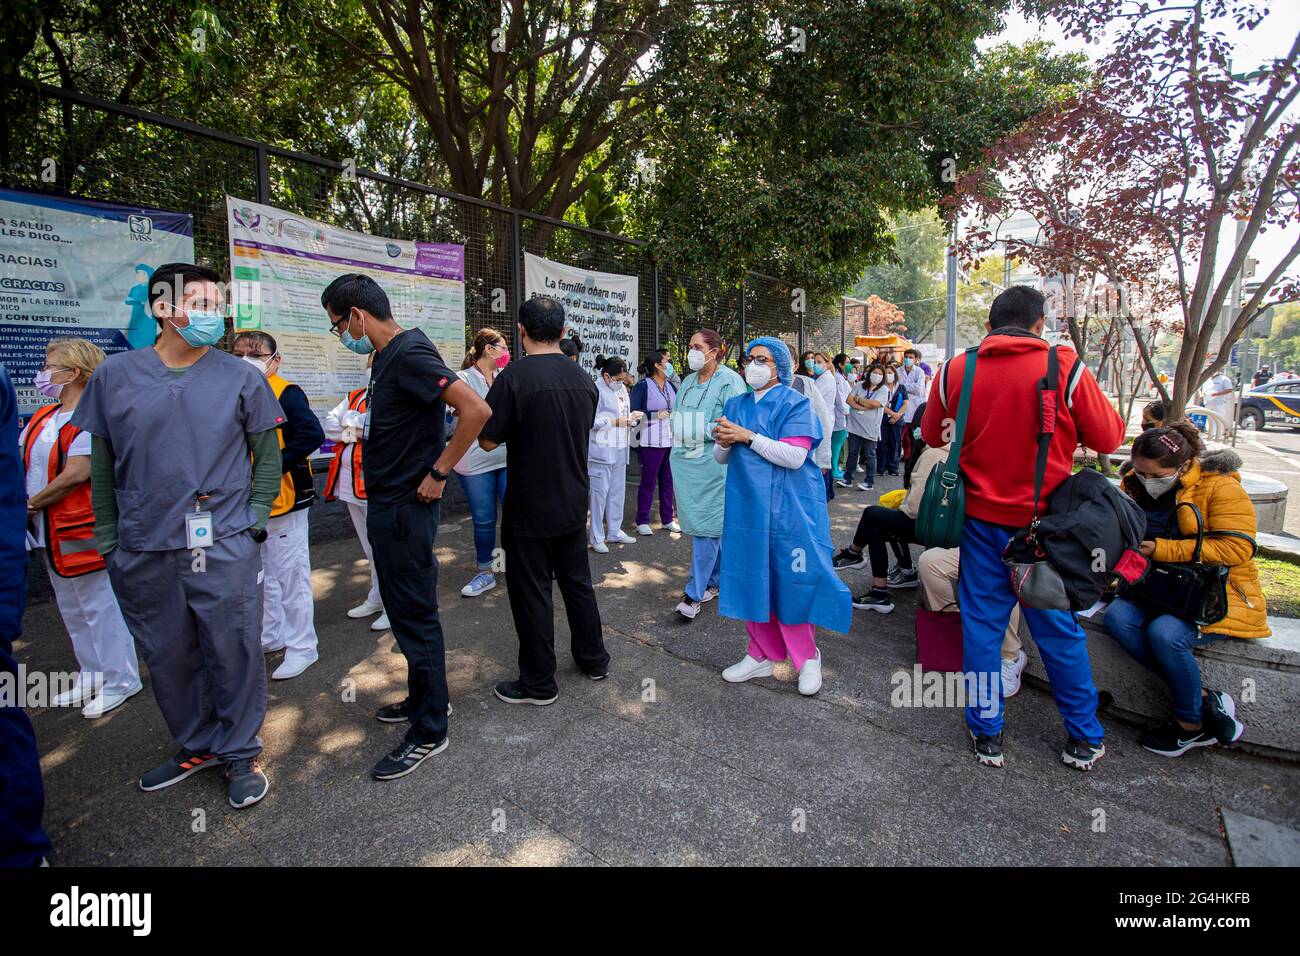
(879, 526)
(531, 564)
(401, 542)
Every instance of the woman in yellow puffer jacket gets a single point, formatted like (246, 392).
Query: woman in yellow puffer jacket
(1167, 472)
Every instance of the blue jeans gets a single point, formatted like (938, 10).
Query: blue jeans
(484, 493)
(706, 566)
(1163, 645)
(863, 450)
(986, 599)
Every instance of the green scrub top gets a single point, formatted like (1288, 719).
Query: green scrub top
(700, 482)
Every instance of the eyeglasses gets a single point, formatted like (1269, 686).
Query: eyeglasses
(760, 359)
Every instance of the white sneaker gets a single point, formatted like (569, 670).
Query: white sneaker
(483, 581)
(1011, 671)
(272, 648)
(709, 595)
(107, 701)
(600, 547)
(688, 609)
(747, 669)
(293, 666)
(643, 529)
(380, 623)
(863, 486)
(810, 676)
(674, 527)
(622, 537)
(78, 695)
(366, 609)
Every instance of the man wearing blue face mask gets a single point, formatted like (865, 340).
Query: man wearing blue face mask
(407, 461)
(185, 465)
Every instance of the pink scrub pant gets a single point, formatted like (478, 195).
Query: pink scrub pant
(775, 641)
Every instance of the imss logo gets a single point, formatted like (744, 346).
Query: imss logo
(75, 908)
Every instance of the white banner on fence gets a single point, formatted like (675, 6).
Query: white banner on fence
(600, 307)
(280, 264)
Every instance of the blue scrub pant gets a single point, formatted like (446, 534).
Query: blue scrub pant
(484, 492)
(22, 796)
(1163, 645)
(986, 599)
(706, 566)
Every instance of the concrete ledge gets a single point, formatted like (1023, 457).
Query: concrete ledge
(1263, 675)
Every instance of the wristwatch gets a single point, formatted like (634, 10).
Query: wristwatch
(438, 475)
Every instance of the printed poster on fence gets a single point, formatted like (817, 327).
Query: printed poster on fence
(280, 263)
(76, 267)
(600, 307)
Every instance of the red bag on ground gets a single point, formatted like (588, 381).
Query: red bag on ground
(938, 640)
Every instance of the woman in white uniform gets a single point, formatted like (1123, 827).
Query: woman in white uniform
(61, 523)
(607, 453)
(347, 483)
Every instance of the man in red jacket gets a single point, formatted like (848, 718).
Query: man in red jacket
(997, 463)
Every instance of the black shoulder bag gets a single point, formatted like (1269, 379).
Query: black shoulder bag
(1193, 591)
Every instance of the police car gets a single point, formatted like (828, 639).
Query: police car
(1277, 403)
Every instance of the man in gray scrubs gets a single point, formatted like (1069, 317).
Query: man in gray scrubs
(179, 513)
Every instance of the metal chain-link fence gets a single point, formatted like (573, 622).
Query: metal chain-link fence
(69, 144)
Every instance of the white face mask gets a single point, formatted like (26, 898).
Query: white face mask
(262, 365)
(875, 378)
(757, 375)
(696, 360)
(1156, 487)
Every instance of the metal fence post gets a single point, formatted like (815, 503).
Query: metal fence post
(741, 345)
(654, 297)
(843, 326)
(801, 332)
(263, 177)
(516, 259)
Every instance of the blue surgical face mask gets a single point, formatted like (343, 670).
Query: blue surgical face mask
(668, 369)
(362, 346)
(205, 328)
(907, 363)
(818, 368)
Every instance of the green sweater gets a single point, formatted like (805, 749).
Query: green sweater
(265, 448)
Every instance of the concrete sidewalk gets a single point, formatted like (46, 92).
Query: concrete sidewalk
(662, 763)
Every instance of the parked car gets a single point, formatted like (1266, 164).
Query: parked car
(1277, 403)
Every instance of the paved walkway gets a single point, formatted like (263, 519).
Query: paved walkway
(661, 763)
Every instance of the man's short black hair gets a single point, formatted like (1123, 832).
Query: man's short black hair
(542, 319)
(1019, 306)
(356, 291)
(172, 277)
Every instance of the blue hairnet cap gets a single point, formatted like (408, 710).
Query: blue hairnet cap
(780, 354)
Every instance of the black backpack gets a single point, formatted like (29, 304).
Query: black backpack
(1069, 557)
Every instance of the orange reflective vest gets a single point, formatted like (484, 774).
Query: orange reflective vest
(356, 403)
(70, 522)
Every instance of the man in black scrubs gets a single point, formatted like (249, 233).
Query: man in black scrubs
(543, 408)
(407, 461)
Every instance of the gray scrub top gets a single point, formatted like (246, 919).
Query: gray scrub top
(175, 437)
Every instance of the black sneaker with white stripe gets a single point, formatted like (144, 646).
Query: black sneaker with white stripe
(988, 749)
(1219, 715)
(512, 692)
(1172, 739)
(406, 758)
(1082, 755)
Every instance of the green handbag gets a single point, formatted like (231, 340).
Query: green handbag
(942, 513)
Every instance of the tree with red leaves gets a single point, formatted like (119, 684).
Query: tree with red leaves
(1137, 179)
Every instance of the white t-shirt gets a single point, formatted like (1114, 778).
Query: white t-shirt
(38, 471)
(1218, 384)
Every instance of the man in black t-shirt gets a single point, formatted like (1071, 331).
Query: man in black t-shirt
(407, 459)
(543, 408)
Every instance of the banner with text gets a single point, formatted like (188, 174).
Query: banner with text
(599, 307)
(280, 263)
(76, 267)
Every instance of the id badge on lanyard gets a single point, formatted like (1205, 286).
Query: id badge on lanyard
(198, 527)
(365, 422)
